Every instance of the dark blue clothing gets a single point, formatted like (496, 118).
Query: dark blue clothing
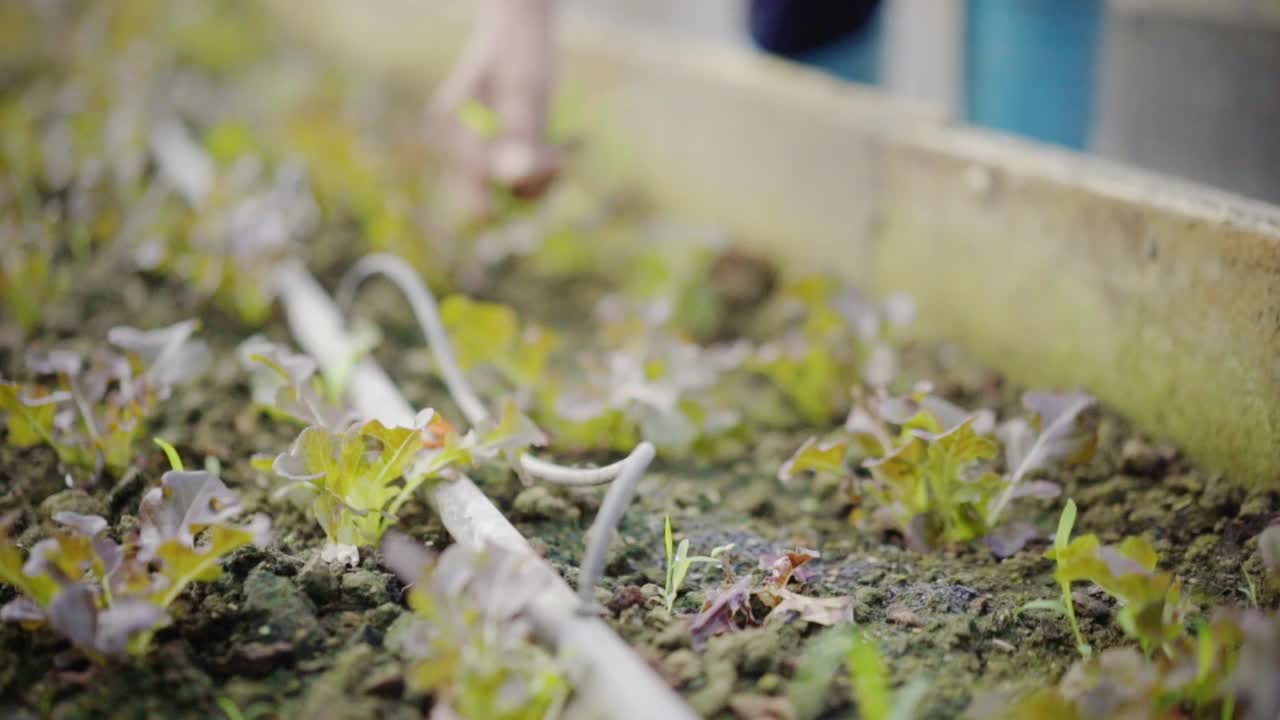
(791, 27)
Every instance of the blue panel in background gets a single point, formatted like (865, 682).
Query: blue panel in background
(1031, 67)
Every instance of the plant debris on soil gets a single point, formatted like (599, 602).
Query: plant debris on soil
(156, 158)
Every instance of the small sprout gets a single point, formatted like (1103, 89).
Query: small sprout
(108, 599)
(1152, 609)
(472, 645)
(679, 561)
(170, 452)
(869, 677)
(1199, 675)
(1064, 548)
(867, 672)
(1250, 589)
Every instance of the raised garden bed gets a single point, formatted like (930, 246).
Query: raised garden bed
(169, 160)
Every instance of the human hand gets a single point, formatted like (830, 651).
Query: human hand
(490, 115)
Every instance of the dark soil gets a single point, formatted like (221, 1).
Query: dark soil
(283, 635)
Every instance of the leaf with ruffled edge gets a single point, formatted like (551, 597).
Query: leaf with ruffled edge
(356, 474)
(187, 528)
(815, 456)
(168, 355)
(1061, 431)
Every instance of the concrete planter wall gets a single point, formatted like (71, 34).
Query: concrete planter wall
(1159, 296)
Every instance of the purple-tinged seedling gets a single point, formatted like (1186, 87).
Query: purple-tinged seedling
(933, 464)
(834, 336)
(108, 598)
(96, 407)
(472, 644)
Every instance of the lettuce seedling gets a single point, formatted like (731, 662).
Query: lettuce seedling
(1200, 676)
(488, 336)
(679, 561)
(285, 385)
(108, 598)
(651, 392)
(833, 337)
(355, 474)
(1153, 610)
(1058, 431)
(95, 409)
(935, 483)
(472, 647)
(816, 456)
(361, 474)
(245, 221)
(659, 389)
(933, 463)
(931, 477)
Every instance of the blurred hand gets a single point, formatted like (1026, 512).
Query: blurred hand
(490, 115)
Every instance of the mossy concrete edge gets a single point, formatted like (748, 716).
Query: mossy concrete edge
(1160, 298)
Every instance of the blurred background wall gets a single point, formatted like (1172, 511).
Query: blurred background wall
(1186, 87)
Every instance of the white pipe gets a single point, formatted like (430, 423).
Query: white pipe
(563, 475)
(608, 676)
(424, 308)
(427, 312)
(625, 474)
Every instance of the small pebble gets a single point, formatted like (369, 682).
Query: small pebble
(750, 706)
(625, 597)
(903, 615)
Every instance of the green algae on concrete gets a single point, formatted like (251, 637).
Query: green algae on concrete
(1169, 312)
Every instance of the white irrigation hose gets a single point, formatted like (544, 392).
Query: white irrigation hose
(612, 679)
(607, 518)
(423, 304)
(562, 475)
(625, 474)
(427, 312)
